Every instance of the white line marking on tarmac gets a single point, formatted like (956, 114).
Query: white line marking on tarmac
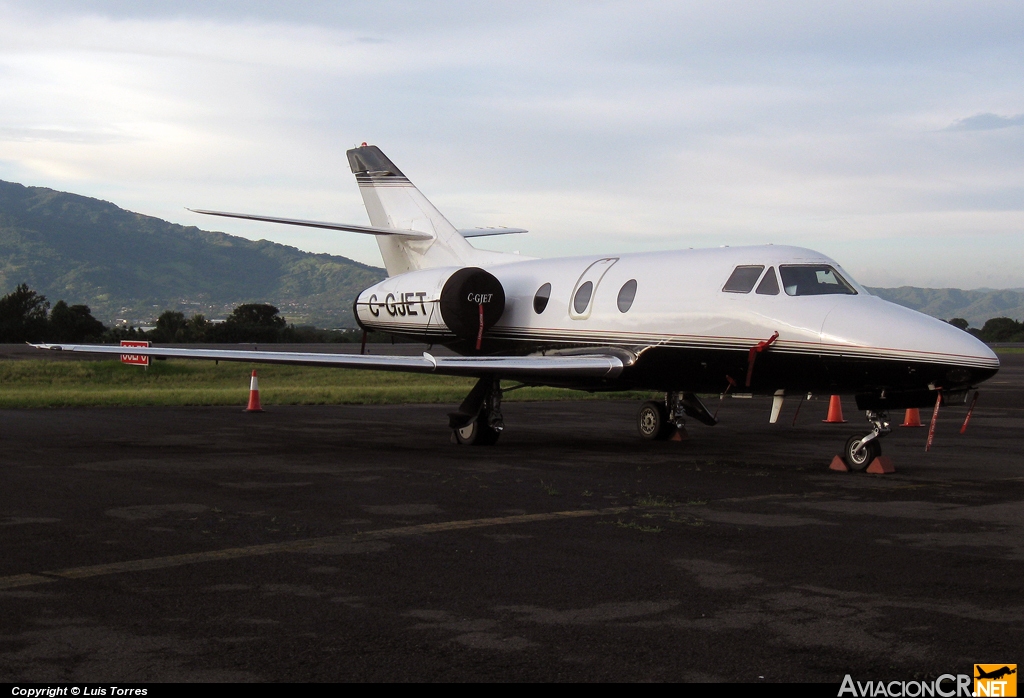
(154, 563)
(24, 580)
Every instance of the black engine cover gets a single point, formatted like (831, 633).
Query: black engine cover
(463, 294)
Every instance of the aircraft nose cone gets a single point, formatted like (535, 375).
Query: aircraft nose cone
(871, 328)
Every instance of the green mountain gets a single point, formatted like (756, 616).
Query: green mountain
(974, 306)
(131, 267)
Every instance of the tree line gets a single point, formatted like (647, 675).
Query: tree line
(26, 316)
(997, 329)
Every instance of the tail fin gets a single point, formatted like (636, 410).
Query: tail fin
(393, 202)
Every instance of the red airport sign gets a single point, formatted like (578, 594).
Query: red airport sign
(135, 359)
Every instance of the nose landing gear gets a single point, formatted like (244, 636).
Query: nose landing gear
(862, 449)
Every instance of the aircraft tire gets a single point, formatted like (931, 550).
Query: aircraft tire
(652, 421)
(858, 458)
(476, 434)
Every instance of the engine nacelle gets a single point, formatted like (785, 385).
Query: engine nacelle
(434, 304)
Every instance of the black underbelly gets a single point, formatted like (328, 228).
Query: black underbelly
(709, 370)
(712, 371)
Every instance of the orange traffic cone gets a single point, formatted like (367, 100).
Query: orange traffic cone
(912, 418)
(254, 395)
(835, 411)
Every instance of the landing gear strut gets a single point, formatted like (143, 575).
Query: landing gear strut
(861, 450)
(478, 421)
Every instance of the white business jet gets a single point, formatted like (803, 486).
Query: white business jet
(770, 320)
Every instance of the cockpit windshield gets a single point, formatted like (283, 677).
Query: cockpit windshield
(813, 280)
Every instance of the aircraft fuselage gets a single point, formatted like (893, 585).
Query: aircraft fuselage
(683, 327)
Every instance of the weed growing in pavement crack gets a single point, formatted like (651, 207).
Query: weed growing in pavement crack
(684, 519)
(651, 500)
(550, 489)
(633, 525)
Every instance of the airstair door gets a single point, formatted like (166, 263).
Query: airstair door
(582, 299)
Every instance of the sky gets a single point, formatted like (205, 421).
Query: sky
(889, 136)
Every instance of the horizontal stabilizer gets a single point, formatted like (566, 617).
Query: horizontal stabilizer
(320, 224)
(485, 232)
(526, 368)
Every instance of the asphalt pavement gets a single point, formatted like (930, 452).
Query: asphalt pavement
(356, 543)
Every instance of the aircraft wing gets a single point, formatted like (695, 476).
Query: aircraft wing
(525, 368)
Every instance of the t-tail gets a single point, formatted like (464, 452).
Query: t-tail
(410, 232)
(393, 202)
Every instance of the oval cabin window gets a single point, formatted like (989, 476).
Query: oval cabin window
(540, 301)
(582, 299)
(626, 295)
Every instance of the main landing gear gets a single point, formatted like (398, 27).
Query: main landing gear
(658, 421)
(478, 421)
(653, 421)
(861, 450)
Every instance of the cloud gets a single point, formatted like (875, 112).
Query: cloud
(60, 135)
(612, 126)
(986, 122)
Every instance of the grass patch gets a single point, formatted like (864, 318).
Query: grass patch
(42, 383)
(632, 525)
(651, 500)
(638, 527)
(684, 519)
(550, 489)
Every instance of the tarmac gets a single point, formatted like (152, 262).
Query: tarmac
(355, 543)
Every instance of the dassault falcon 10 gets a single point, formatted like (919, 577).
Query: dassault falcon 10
(771, 320)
